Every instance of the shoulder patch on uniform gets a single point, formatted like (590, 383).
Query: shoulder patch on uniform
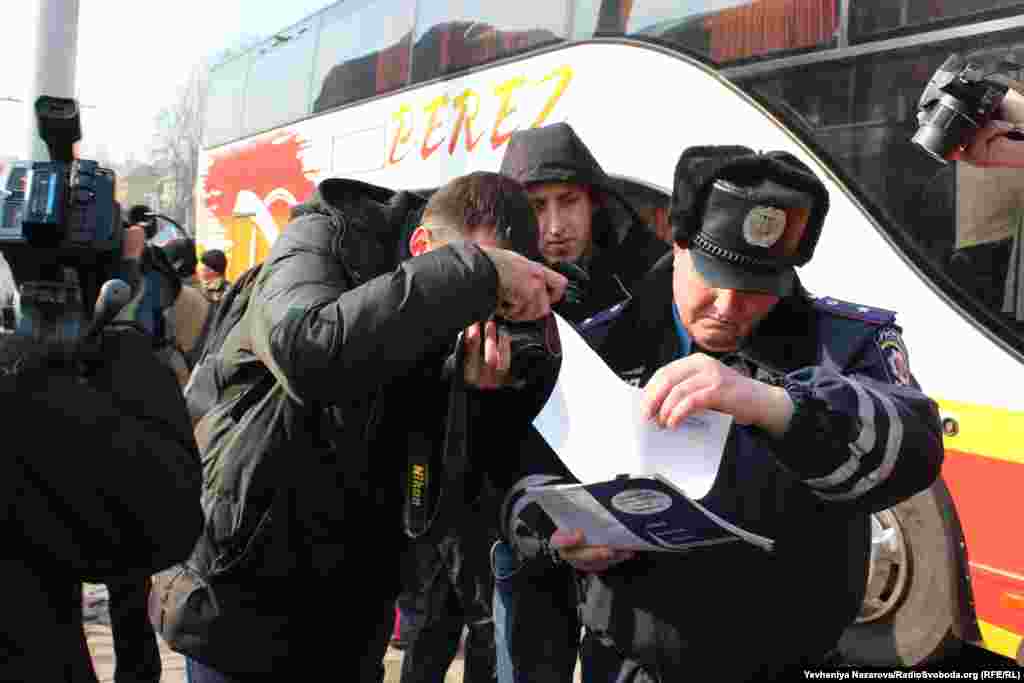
(602, 318)
(847, 309)
(894, 351)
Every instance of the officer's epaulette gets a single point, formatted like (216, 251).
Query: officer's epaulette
(846, 309)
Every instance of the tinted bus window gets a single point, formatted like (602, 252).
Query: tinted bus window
(363, 51)
(961, 224)
(455, 34)
(224, 100)
(728, 31)
(871, 19)
(278, 86)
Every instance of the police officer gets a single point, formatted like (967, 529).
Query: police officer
(829, 426)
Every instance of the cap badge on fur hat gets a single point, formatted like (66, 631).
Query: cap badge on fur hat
(764, 225)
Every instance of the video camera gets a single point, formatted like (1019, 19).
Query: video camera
(60, 231)
(960, 98)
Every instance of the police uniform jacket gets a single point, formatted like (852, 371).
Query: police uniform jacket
(863, 437)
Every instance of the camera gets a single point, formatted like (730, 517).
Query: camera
(960, 98)
(60, 230)
(534, 345)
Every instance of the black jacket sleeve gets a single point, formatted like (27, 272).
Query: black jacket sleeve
(331, 340)
(862, 437)
(104, 480)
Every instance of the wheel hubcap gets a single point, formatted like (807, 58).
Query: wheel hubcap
(888, 570)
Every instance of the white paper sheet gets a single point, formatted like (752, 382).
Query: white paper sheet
(592, 421)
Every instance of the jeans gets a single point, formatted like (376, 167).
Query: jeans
(536, 624)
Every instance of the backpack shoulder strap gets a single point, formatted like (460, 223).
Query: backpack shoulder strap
(229, 311)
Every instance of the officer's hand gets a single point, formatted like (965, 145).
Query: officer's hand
(486, 368)
(134, 242)
(526, 289)
(571, 547)
(700, 382)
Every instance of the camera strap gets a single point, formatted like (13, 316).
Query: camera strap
(436, 478)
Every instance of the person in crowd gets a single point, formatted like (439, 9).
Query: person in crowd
(193, 310)
(584, 220)
(825, 431)
(129, 509)
(212, 271)
(347, 326)
(452, 585)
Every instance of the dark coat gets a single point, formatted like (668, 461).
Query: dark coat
(347, 327)
(100, 480)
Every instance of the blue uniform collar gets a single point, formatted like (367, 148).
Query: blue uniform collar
(685, 343)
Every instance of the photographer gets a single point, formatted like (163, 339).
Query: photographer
(449, 584)
(104, 485)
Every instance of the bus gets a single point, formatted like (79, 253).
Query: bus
(409, 94)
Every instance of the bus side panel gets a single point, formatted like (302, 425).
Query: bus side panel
(637, 108)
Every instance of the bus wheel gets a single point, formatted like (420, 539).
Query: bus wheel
(908, 613)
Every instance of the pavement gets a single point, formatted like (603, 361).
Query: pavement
(101, 646)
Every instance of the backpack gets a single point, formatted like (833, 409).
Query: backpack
(202, 389)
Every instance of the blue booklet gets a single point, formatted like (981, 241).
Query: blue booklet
(639, 513)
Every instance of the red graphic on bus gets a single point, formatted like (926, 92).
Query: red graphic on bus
(251, 189)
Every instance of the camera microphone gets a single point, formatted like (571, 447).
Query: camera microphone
(114, 296)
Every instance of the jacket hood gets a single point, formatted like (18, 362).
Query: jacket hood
(359, 209)
(552, 154)
(555, 154)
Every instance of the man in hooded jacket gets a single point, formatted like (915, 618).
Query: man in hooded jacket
(583, 218)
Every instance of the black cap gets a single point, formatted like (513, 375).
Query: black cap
(215, 260)
(739, 214)
(181, 253)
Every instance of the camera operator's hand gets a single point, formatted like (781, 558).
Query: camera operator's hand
(526, 289)
(134, 243)
(488, 356)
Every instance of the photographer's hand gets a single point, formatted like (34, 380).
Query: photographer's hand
(526, 289)
(990, 147)
(486, 367)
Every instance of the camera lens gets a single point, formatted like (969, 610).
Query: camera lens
(943, 128)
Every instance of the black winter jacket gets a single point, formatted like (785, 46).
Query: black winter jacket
(347, 327)
(98, 480)
(858, 443)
